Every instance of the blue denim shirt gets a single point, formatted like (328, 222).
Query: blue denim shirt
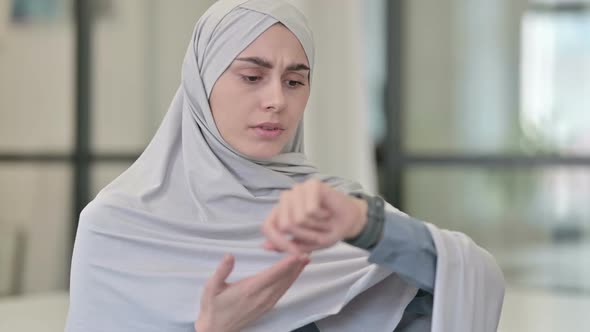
(407, 249)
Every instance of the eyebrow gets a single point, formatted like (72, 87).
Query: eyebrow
(267, 64)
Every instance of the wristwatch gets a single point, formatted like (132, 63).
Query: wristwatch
(372, 233)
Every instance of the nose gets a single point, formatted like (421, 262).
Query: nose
(274, 97)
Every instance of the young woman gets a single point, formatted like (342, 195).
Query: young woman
(223, 225)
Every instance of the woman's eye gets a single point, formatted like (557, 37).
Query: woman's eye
(293, 84)
(251, 79)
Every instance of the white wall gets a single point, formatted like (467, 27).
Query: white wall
(461, 74)
(138, 51)
(36, 115)
(337, 118)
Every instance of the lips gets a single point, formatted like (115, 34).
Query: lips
(268, 130)
(270, 126)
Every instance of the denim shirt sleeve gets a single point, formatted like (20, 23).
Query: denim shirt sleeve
(407, 248)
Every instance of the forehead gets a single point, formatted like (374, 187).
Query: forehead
(277, 44)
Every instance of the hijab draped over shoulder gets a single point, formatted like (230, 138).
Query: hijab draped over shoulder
(149, 241)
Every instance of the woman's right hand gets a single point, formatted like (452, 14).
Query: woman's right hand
(229, 307)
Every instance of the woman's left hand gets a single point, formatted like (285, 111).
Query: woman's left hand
(313, 216)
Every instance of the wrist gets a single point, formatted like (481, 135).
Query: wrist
(372, 223)
(360, 219)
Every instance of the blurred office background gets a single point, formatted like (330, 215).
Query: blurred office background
(470, 114)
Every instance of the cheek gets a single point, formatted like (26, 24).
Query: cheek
(229, 117)
(228, 113)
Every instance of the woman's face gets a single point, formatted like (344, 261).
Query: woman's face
(259, 100)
